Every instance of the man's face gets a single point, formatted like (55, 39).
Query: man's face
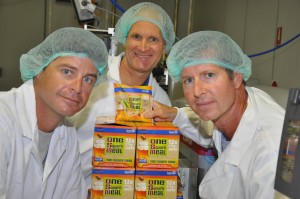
(144, 47)
(209, 91)
(64, 86)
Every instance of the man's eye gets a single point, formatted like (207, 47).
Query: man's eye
(153, 39)
(209, 75)
(187, 81)
(135, 36)
(89, 80)
(66, 72)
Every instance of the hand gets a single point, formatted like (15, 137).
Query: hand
(161, 112)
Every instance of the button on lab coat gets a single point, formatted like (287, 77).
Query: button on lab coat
(246, 168)
(21, 171)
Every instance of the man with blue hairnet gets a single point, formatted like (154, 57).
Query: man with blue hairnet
(39, 151)
(146, 32)
(248, 122)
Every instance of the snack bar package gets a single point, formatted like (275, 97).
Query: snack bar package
(132, 102)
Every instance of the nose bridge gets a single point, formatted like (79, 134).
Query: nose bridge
(144, 44)
(198, 87)
(76, 84)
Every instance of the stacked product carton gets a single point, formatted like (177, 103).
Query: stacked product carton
(157, 155)
(135, 160)
(113, 161)
(114, 145)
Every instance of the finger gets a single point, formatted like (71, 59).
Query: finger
(160, 120)
(155, 104)
(147, 114)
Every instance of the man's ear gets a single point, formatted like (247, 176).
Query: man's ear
(238, 79)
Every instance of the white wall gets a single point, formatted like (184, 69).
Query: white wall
(287, 60)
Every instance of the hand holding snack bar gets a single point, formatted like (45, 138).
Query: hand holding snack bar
(161, 112)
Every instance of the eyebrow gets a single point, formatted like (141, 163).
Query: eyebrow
(186, 76)
(148, 35)
(75, 68)
(93, 75)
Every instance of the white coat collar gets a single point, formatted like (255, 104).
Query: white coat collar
(239, 144)
(26, 107)
(114, 67)
(245, 132)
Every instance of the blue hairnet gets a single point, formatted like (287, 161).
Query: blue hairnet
(64, 42)
(149, 12)
(207, 47)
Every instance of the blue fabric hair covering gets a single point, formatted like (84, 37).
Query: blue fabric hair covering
(68, 41)
(207, 47)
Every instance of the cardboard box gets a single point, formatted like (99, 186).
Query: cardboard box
(153, 184)
(157, 145)
(112, 183)
(114, 145)
(200, 156)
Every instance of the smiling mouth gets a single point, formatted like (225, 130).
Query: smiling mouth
(142, 56)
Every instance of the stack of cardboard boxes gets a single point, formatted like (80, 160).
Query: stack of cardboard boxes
(113, 161)
(135, 160)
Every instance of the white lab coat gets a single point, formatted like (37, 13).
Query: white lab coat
(102, 103)
(246, 168)
(22, 175)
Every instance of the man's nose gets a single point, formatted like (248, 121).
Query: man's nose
(144, 45)
(198, 88)
(76, 85)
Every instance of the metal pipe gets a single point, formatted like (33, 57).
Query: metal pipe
(190, 17)
(176, 16)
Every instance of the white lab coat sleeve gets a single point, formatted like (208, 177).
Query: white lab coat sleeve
(4, 159)
(193, 127)
(9, 176)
